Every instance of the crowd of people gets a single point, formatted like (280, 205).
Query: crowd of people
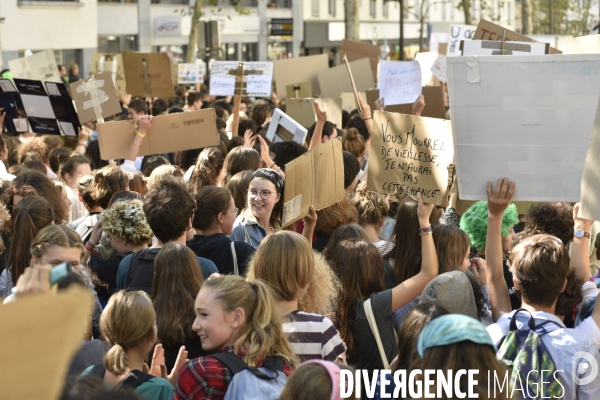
(200, 293)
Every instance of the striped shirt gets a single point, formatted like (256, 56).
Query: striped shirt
(313, 336)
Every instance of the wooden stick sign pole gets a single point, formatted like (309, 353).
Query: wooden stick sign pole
(240, 87)
(353, 85)
(149, 97)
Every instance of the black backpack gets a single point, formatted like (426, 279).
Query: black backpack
(131, 381)
(141, 271)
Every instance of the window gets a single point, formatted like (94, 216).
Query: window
(332, 4)
(372, 9)
(314, 8)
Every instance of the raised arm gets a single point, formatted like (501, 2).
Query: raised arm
(317, 136)
(411, 288)
(580, 259)
(498, 202)
(265, 155)
(366, 114)
(143, 123)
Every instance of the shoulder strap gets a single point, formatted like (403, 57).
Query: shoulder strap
(373, 326)
(132, 380)
(231, 361)
(540, 329)
(235, 364)
(98, 370)
(236, 271)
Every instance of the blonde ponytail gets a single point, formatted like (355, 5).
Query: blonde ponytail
(115, 360)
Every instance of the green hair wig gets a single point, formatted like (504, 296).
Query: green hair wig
(475, 220)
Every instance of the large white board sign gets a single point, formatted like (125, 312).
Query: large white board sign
(529, 118)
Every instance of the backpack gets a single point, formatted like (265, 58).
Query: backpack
(250, 383)
(130, 382)
(141, 271)
(523, 351)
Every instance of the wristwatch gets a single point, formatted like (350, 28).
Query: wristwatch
(579, 233)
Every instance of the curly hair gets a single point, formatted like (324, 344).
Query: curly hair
(571, 296)
(554, 219)
(126, 220)
(475, 220)
(208, 168)
(371, 207)
(322, 290)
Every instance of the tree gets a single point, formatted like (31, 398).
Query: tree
(466, 7)
(527, 17)
(351, 19)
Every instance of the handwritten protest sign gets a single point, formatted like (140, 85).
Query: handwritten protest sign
(458, 33)
(190, 73)
(222, 82)
(487, 30)
(410, 154)
(399, 82)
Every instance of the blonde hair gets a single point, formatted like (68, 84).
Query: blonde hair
(372, 209)
(126, 220)
(285, 261)
(159, 172)
(126, 322)
(55, 235)
(354, 143)
(262, 333)
(321, 296)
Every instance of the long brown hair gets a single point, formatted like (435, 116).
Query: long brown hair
(177, 281)
(407, 249)
(343, 232)
(108, 181)
(29, 217)
(451, 245)
(330, 218)
(208, 168)
(239, 159)
(238, 186)
(210, 202)
(361, 275)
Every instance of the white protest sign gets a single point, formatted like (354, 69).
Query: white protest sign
(458, 33)
(439, 69)
(529, 118)
(191, 73)
(38, 67)
(222, 82)
(399, 81)
(426, 61)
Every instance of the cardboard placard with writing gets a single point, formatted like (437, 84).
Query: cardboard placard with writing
(590, 198)
(434, 103)
(169, 133)
(148, 74)
(112, 63)
(349, 100)
(284, 129)
(302, 111)
(336, 80)
(357, 50)
(64, 317)
(487, 30)
(95, 97)
(589, 44)
(458, 33)
(504, 127)
(315, 178)
(301, 90)
(410, 154)
(399, 81)
(39, 67)
(299, 69)
(259, 83)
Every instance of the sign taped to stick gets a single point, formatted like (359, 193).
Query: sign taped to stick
(410, 154)
(257, 83)
(95, 97)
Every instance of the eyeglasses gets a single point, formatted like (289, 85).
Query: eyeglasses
(264, 194)
(235, 210)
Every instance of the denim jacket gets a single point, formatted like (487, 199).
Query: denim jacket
(247, 229)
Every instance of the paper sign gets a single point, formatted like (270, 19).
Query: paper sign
(315, 178)
(64, 318)
(494, 48)
(222, 82)
(284, 129)
(410, 154)
(438, 42)
(589, 44)
(148, 74)
(530, 119)
(95, 97)
(336, 80)
(300, 90)
(169, 133)
(302, 111)
(487, 30)
(112, 63)
(434, 103)
(439, 69)
(458, 33)
(426, 61)
(399, 81)
(299, 69)
(190, 73)
(38, 67)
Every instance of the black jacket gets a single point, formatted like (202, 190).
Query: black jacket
(217, 248)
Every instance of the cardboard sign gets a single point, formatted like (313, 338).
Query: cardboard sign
(112, 63)
(487, 30)
(64, 318)
(410, 154)
(439, 69)
(190, 73)
(399, 81)
(494, 48)
(10, 101)
(169, 133)
(336, 80)
(148, 74)
(302, 111)
(299, 69)
(38, 67)
(530, 118)
(315, 178)
(589, 44)
(458, 33)
(95, 97)
(259, 83)
(590, 202)
(349, 101)
(300, 90)
(434, 103)
(357, 50)
(284, 129)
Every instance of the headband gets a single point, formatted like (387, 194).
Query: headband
(334, 374)
(271, 176)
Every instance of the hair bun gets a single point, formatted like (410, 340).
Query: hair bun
(351, 134)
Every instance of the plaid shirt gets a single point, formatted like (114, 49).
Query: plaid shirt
(207, 379)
